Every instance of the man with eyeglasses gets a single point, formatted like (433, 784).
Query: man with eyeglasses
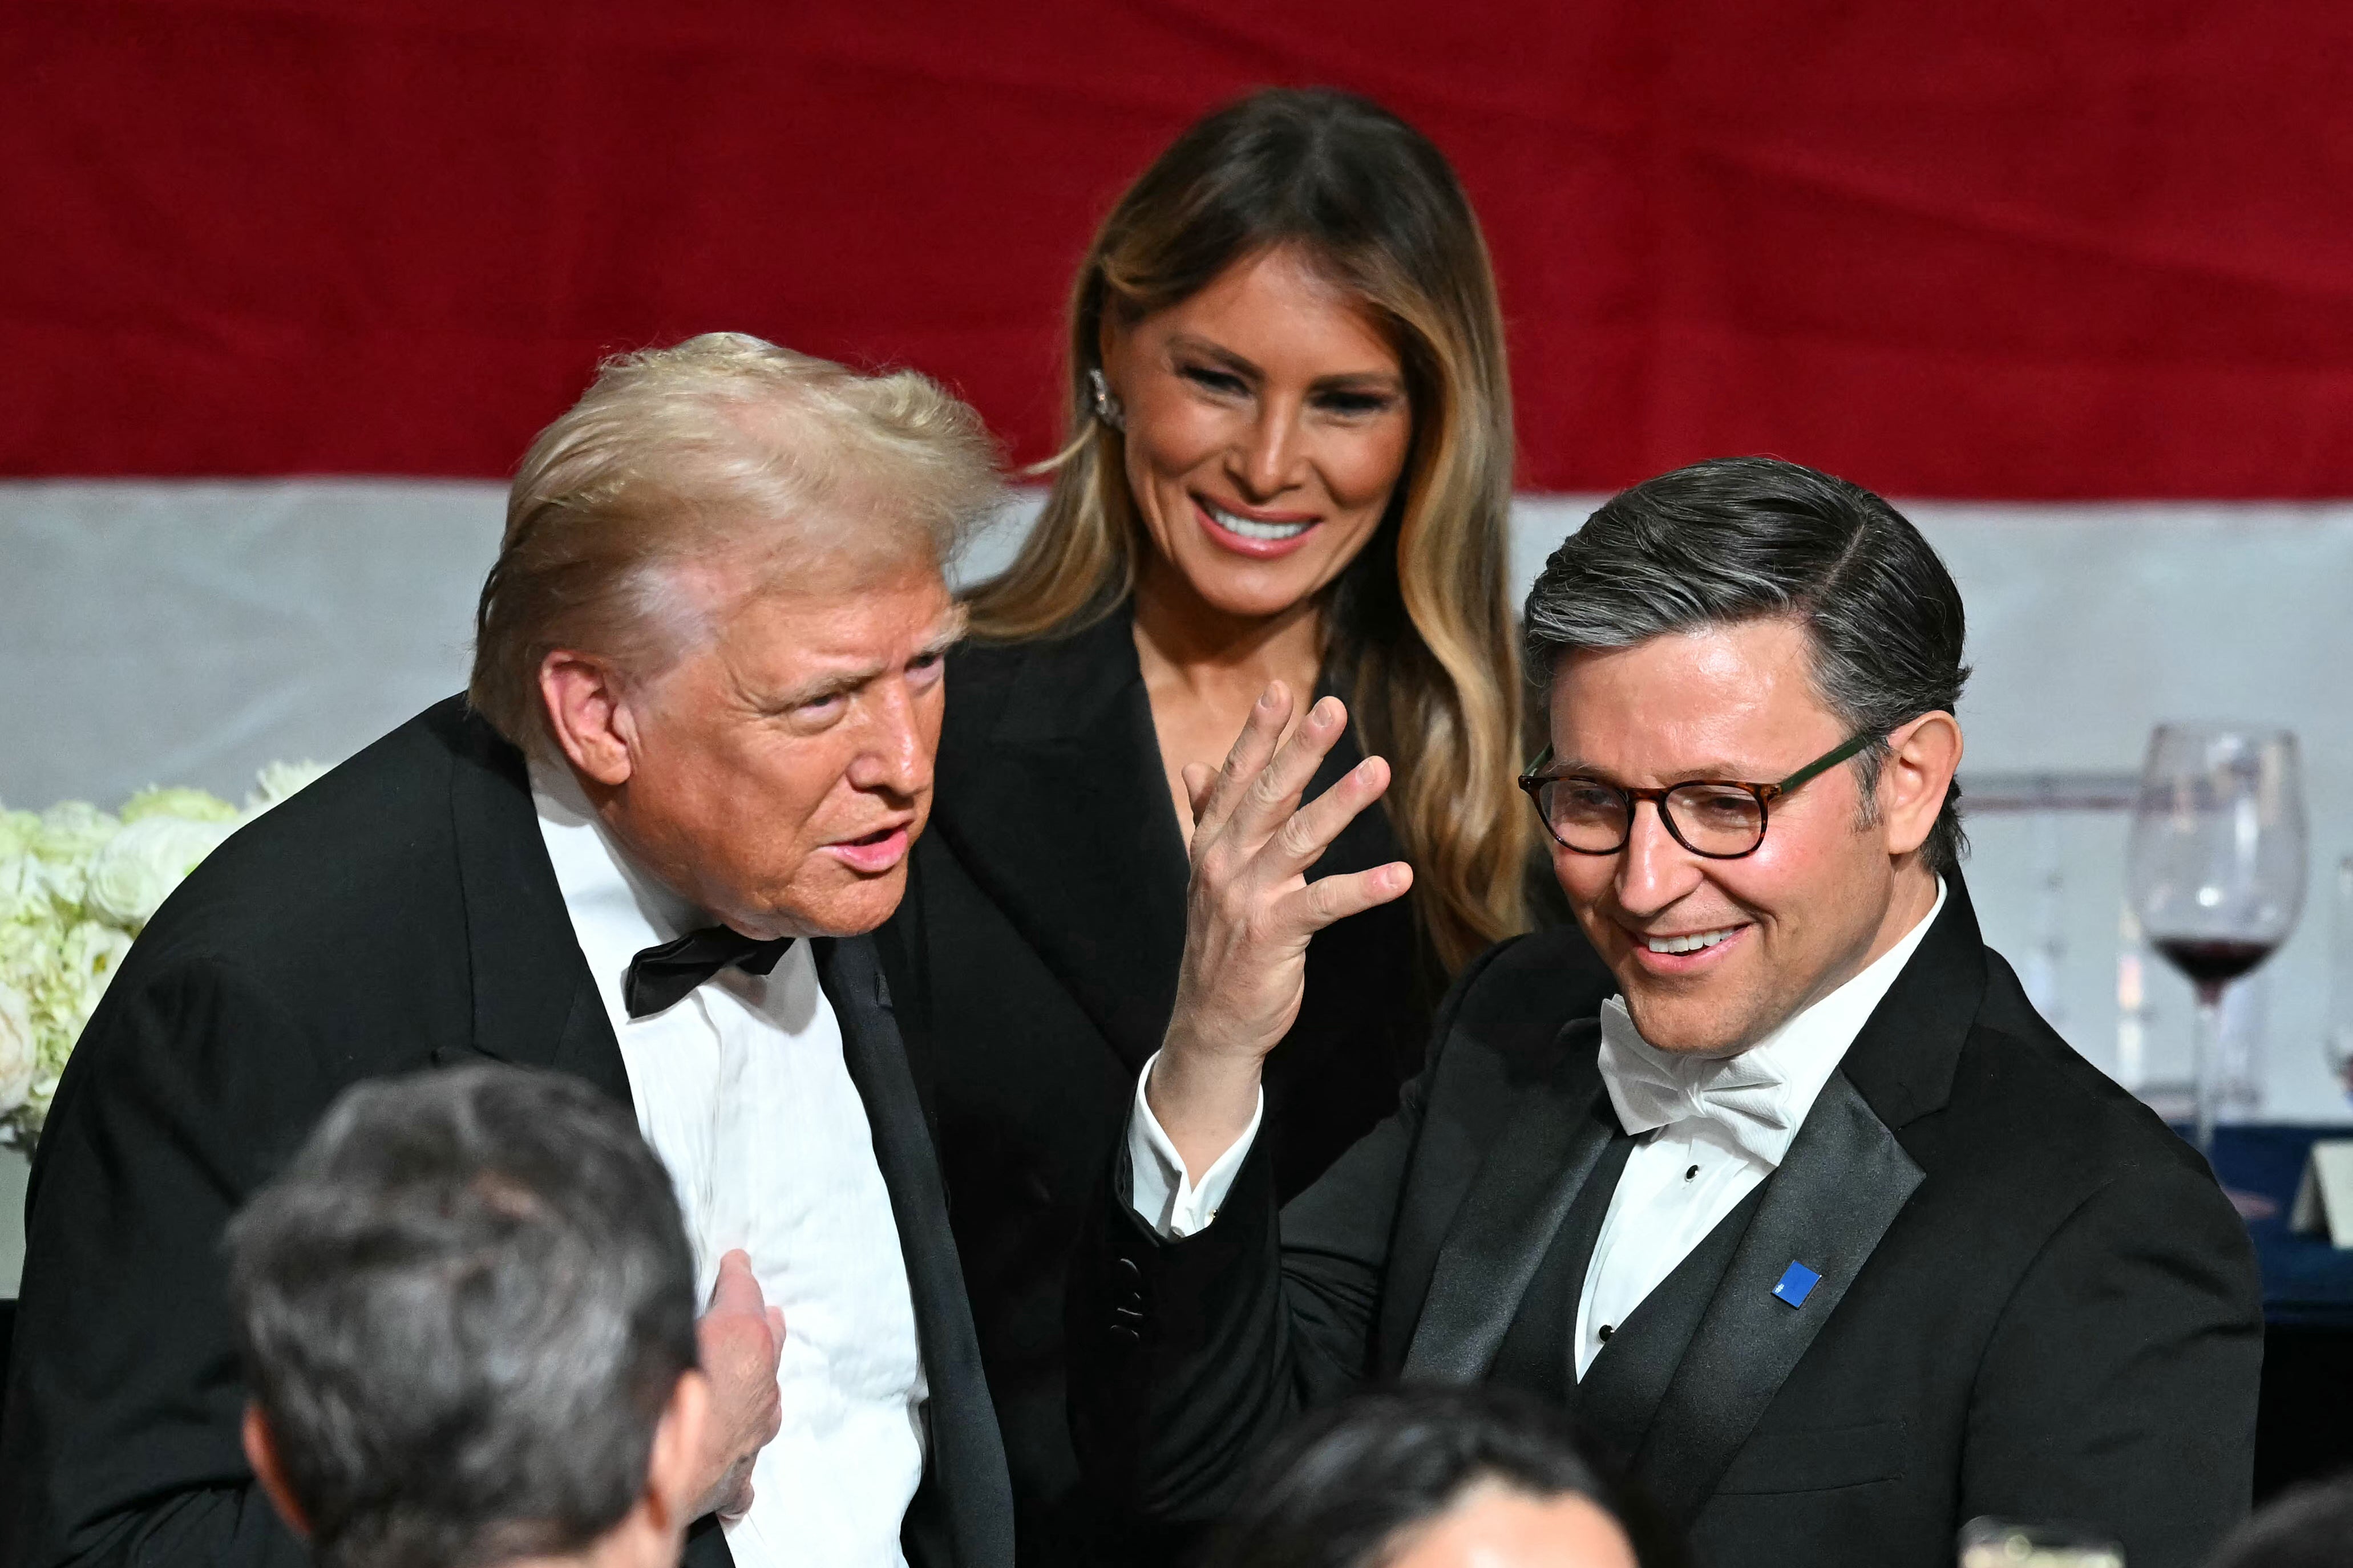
(1818, 1228)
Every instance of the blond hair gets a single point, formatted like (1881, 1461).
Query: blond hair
(1419, 628)
(724, 449)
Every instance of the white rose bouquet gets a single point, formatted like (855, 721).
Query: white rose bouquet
(76, 885)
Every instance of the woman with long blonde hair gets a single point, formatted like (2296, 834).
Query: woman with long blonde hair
(1289, 457)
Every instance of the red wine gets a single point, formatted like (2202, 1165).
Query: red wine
(2212, 961)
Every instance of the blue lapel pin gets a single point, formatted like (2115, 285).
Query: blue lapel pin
(1796, 1282)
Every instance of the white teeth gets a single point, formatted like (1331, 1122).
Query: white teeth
(1250, 529)
(1691, 943)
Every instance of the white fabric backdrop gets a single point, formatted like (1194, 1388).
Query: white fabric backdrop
(188, 633)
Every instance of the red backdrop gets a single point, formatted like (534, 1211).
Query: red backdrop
(2008, 249)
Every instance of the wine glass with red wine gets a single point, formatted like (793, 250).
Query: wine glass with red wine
(2216, 871)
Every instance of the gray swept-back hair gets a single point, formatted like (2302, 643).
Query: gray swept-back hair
(1738, 539)
(464, 1307)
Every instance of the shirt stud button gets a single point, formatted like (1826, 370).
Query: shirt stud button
(1689, 1173)
(1606, 1332)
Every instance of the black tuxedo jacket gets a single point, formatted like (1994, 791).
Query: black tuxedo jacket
(2033, 1301)
(1035, 960)
(398, 914)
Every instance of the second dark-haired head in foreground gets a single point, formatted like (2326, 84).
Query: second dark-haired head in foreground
(1434, 1478)
(2308, 1526)
(468, 1314)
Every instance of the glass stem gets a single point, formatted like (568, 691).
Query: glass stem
(2206, 1067)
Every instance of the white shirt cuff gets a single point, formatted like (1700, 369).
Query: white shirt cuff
(1162, 1194)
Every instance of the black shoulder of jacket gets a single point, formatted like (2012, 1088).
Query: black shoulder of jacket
(2029, 1116)
(364, 856)
(1515, 1001)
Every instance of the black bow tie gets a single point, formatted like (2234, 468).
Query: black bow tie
(660, 975)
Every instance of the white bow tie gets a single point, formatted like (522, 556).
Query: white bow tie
(1747, 1096)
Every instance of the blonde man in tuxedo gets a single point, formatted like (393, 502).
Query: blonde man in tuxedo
(706, 694)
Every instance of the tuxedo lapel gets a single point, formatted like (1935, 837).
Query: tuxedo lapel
(966, 1499)
(1539, 1351)
(1842, 1185)
(1056, 804)
(535, 1004)
(1506, 1224)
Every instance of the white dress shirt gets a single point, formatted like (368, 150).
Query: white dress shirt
(1709, 1133)
(741, 1090)
(1167, 1199)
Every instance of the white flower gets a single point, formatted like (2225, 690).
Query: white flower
(136, 872)
(18, 1060)
(18, 829)
(76, 885)
(23, 887)
(71, 831)
(90, 954)
(275, 782)
(195, 805)
(27, 948)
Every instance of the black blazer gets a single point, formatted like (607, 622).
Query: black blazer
(1035, 959)
(2034, 1301)
(398, 914)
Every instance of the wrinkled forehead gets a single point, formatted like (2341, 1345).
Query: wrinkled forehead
(891, 610)
(781, 609)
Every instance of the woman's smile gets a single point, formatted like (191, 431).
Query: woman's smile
(1261, 535)
(1267, 426)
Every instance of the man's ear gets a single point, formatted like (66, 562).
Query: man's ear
(261, 1452)
(670, 1470)
(588, 714)
(1922, 758)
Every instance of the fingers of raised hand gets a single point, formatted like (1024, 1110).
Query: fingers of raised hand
(1310, 831)
(1274, 793)
(1329, 899)
(1247, 759)
(1200, 779)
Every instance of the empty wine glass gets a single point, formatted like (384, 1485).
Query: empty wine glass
(2216, 870)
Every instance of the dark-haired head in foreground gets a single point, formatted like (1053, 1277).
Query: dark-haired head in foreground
(468, 1312)
(1433, 1479)
(2310, 1526)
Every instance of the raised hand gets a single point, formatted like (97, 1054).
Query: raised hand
(740, 1338)
(1250, 914)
